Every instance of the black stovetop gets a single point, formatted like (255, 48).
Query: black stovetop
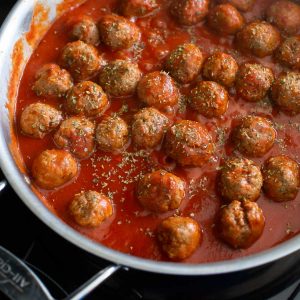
(63, 267)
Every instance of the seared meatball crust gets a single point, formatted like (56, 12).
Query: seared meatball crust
(90, 208)
(285, 15)
(137, 8)
(52, 81)
(179, 237)
(281, 178)
(258, 38)
(112, 134)
(159, 90)
(184, 63)
(160, 191)
(54, 168)
(241, 223)
(120, 78)
(286, 92)
(82, 60)
(189, 143)
(39, 119)
(76, 134)
(254, 136)
(149, 127)
(288, 54)
(86, 98)
(117, 32)
(254, 81)
(221, 68)
(240, 179)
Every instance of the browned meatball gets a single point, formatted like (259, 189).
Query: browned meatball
(258, 38)
(189, 12)
(288, 53)
(222, 68)
(286, 92)
(158, 89)
(160, 191)
(39, 119)
(86, 98)
(120, 78)
(240, 179)
(225, 19)
(54, 168)
(281, 178)
(241, 223)
(209, 99)
(137, 8)
(53, 81)
(90, 208)
(285, 15)
(253, 82)
(148, 127)
(189, 143)
(86, 30)
(179, 237)
(243, 5)
(184, 63)
(112, 134)
(76, 134)
(117, 32)
(81, 60)
(254, 136)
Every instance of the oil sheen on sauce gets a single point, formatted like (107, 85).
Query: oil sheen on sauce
(132, 229)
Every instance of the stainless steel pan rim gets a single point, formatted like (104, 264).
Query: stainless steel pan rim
(9, 33)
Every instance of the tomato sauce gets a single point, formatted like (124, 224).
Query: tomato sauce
(132, 229)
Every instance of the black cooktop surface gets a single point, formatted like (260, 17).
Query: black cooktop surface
(63, 267)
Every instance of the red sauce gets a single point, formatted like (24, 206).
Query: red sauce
(132, 229)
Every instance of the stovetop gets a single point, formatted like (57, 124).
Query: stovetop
(64, 267)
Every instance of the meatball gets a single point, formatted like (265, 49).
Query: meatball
(90, 208)
(258, 38)
(86, 30)
(288, 53)
(53, 81)
(184, 63)
(189, 12)
(54, 168)
(254, 136)
(117, 32)
(76, 134)
(225, 19)
(222, 68)
(286, 92)
(158, 89)
(86, 98)
(179, 237)
(112, 134)
(241, 223)
(160, 191)
(189, 143)
(240, 179)
(243, 5)
(281, 178)
(253, 82)
(120, 78)
(137, 8)
(81, 60)
(148, 128)
(285, 15)
(209, 99)
(39, 119)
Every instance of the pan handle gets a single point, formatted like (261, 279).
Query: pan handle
(18, 281)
